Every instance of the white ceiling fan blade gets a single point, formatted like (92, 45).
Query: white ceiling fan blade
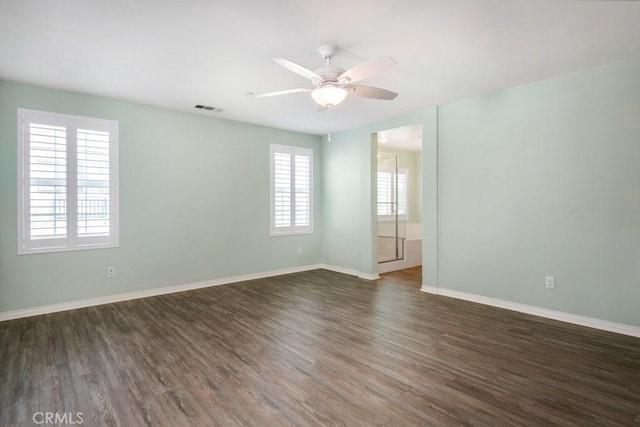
(299, 69)
(285, 92)
(365, 70)
(372, 92)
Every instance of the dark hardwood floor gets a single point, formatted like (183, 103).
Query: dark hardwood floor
(315, 348)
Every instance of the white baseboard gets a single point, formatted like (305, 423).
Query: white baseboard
(90, 302)
(430, 289)
(590, 322)
(350, 272)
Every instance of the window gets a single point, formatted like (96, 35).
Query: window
(291, 190)
(67, 182)
(387, 192)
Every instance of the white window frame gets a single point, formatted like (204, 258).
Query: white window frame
(292, 151)
(71, 242)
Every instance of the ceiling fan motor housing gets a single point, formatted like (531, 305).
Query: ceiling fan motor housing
(329, 74)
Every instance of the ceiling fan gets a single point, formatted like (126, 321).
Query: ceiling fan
(331, 85)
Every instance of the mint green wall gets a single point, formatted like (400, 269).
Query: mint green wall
(544, 179)
(349, 166)
(194, 203)
(343, 173)
(537, 180)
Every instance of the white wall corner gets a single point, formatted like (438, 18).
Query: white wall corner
(590, 322)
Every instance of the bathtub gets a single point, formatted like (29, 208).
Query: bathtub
(412, 249)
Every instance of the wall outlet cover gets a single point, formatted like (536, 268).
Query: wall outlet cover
(550, 282)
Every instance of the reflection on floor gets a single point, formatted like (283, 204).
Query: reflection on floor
(408, 275)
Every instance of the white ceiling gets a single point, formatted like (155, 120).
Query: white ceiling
(176, 54)
(407, 138)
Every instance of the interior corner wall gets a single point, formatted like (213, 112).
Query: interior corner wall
(544, 180)
(194, 203)
(343, 163)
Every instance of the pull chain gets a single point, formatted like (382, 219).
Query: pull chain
(329, 119)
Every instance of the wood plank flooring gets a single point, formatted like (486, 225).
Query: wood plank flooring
(315, 348)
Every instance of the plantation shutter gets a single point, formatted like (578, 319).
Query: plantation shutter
(291, 190)
(302, 191)
(67, 182)
(282, 203)
(93, 183)
(47, 182)
(387, 192)
(402, 193)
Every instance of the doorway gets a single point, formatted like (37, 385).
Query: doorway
(399, 198)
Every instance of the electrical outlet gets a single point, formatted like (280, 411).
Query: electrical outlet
(549, 282)
(299, 250)
(111, 272)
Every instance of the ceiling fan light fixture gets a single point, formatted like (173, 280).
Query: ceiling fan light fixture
(329, 95)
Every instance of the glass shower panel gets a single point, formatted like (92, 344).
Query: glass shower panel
(392, 208)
